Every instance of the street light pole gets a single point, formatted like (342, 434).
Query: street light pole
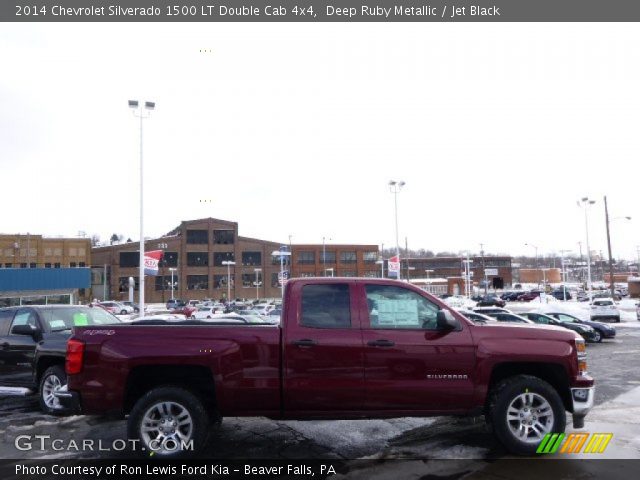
(324, 257)
(585, 204)
(139, 111)
(172, 284)
(395, 188)
(228, 263)
(281, 253)
(484, 270)
(257, 270)
(564, 274)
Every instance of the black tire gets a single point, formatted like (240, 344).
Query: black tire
(123, 312)
(617, 320)
(597, 335)
(53, 378)
(506, 392)
(181, 400)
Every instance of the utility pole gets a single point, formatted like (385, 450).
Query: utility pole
(484, 271)
(606, 216)
(564, 274)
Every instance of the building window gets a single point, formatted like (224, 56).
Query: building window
(8, 265)
(123, 284)
(347, 257)
(220, 257)
(164, 282)
(170, 259)
(328, 257)
(56, 265)
(249, 279)
(220, 281)
(32, 265)
(306, 258)
(307, 274)
(251, 259)
(197, 282)
(197, 237)
(197, 259)
(348, 273)
(72, 265)
(371, 274)
(82, 264)
(23, 265)
(223, 237)
(48, 252)
(57, 252)
(47, 265)
(370, 257)
(129, 259)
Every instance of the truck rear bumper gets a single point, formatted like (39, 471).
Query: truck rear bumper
(69, 400)
(582, 399)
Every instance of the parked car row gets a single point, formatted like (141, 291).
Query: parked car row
(588, 329)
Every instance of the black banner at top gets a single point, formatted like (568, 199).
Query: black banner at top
(320, 11)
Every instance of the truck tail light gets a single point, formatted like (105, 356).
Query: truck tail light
(75, 357)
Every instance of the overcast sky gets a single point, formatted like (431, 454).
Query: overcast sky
(296, 129)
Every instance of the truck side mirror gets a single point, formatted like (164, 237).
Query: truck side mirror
(446, 320)
(29, 330)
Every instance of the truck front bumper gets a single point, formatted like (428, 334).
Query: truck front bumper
(582, 399)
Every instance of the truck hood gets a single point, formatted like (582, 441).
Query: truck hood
(525, 330)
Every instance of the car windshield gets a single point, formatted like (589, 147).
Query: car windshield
(566, 319)
(65, 318)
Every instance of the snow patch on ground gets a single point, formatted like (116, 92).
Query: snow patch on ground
(343, 435)
(620, 416)
(15, 391)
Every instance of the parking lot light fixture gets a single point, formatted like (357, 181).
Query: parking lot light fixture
(172, 283)
(141, 113)
(281, 253)
(257, 270)
(228, 263)
(585, 203)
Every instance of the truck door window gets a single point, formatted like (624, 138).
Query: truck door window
(25, 317)
(326, 306)
(396, 307)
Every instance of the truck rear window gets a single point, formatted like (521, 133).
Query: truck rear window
(326, 306)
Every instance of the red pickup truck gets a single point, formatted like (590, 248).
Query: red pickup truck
(345, 348)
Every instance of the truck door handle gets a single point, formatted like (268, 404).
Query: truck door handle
(305, 342)
(381, 343)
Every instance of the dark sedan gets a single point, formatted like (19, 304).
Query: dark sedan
(585, 331)
(602, 330)
(491, 300)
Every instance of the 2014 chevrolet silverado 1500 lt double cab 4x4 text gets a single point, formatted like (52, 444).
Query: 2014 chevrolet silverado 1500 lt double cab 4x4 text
(345, 348)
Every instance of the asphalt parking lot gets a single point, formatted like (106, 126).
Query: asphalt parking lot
(612, 362)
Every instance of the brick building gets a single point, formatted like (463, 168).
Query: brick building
(498, 269)
(313, 260)
(36, 251)
(194, 252)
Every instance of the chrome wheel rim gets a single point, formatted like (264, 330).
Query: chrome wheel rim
(51, 385)
(597, 336)
(530, 417)
(166, 427)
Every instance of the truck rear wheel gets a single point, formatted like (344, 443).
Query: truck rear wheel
(168, 422)
(52, 380)
(522, 410)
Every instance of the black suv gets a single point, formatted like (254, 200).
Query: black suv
(33, 343)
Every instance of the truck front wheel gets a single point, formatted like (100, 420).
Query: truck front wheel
(522, 410)
(168, 422)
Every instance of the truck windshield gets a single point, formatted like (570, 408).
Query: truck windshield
(65, 318)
